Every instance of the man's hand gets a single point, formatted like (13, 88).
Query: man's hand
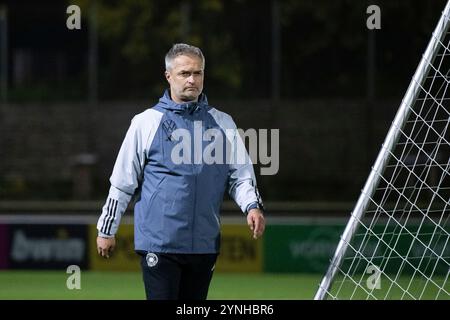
(256, 222)
(105, 246)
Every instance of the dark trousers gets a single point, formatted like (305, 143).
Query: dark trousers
(177, 276)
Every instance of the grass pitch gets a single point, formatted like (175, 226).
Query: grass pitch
(97, 285)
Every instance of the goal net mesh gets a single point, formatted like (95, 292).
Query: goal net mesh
(399, 247)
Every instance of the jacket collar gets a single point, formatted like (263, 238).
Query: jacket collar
(166, 102)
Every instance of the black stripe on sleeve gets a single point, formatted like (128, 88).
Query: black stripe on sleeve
(109, 218)
(102, 229)
(114, 211)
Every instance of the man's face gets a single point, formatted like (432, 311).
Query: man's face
(185, 78)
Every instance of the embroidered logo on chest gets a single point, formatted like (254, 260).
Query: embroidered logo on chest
(169, 127)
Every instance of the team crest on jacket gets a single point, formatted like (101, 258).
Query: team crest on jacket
(169, 126)
(152, 259)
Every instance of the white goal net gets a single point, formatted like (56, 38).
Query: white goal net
(396, 243)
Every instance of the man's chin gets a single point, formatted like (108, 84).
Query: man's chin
(189, 97)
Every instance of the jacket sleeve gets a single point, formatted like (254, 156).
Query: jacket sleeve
(125, 178)
(242, 185)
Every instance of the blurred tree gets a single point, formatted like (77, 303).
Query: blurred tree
(135, 35)
(327, 42)
(323, 46)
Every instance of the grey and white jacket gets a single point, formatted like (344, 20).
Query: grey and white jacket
(177, 183)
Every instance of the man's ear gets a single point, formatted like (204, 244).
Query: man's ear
(167, 74)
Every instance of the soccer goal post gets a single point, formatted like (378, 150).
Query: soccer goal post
(396, 242)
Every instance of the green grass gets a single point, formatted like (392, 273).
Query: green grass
(224, 286)
(128, 285)
(404, 288)
(264, 286)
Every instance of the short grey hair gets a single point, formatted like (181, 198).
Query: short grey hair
(179, 49)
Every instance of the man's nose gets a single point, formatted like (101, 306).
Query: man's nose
(191, 79)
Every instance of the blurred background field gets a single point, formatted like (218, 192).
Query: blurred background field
(309, 68)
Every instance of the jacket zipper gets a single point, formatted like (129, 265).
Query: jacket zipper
(194, 169)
